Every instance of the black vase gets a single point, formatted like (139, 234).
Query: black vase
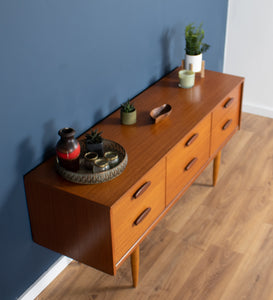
(68, 149)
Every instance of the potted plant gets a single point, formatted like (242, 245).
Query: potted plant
(94, 142)
(128, 113)
(194, 47)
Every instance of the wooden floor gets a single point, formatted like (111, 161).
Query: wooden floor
(215, 243)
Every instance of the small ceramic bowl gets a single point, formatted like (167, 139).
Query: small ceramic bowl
(112, 158)
(100, 165)
(160, 113)
(90, 158)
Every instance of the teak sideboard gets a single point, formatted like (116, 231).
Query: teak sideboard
(101, 225)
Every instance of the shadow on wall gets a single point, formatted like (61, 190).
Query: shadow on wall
(49, 139)
(20, 255)
(166, 42)
(171, 47)
(115, 104)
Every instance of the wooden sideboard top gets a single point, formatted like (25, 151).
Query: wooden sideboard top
(145, 142)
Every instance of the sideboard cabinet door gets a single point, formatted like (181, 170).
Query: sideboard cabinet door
(225, 119)
(187, 157)
(136, 211)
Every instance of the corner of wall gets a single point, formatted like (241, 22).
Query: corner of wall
(226, 36)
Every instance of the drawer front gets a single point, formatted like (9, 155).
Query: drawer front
(186, 159)
(230, 103)
(224, 128)
(137, 210)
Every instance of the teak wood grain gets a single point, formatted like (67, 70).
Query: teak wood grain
(91, 223)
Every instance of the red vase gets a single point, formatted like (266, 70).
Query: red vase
(68, 149)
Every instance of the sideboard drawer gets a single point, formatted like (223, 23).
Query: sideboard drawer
(225, 120)
(186, 158)
(230, 103)
(137, 210)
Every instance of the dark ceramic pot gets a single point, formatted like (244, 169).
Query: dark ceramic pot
(98, 148)
(68, 149)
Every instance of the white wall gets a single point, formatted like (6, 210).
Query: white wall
(249, 52)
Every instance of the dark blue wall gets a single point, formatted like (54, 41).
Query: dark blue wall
(70, 63)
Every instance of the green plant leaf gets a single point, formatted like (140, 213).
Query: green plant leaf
(194, 37)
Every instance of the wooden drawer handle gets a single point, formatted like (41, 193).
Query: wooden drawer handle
(192, 139)
(142, 189)
(191, 163)
(142, 216)
(226, 125)
(229, 102)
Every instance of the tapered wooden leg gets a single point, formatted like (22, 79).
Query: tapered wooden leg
(135, 265)
(216, 166)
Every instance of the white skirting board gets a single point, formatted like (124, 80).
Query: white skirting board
(258, 110)
(40, 284)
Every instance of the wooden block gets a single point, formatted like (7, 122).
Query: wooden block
(202, 72)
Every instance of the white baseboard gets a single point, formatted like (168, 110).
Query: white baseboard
(40, 284)
(258, 110)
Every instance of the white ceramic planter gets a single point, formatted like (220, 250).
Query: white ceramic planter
(195, 60)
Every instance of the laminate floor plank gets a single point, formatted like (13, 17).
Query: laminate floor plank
(211, 275)
(187, 205)
(216, 243)
(243, 222)
(254, 277)
(201, 230)
(164, 280)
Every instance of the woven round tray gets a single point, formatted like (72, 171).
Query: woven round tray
(85, 176)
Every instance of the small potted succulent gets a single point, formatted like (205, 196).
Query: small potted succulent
(128, 113)
(194, 47)
(94, 142)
